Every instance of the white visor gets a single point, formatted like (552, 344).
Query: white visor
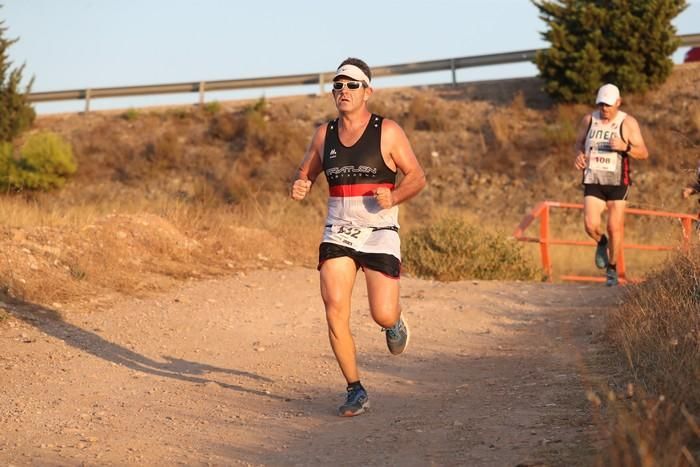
(352, 72)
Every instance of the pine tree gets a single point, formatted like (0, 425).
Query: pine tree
(16, 114)
(626, 42)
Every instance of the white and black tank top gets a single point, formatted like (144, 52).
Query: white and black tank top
(605, 166)
(353, 174)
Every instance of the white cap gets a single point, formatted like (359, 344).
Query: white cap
(352, 72)
(608, 94)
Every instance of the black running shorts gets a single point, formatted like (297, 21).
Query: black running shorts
(388, 265)
(607, 192)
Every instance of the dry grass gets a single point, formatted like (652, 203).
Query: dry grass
(205, 171)
(657, 331)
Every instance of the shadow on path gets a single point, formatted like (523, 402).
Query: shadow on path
(50, 322)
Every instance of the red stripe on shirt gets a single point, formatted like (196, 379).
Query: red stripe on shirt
(359, 189)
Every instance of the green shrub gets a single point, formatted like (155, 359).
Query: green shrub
(451, 249)
(130, 115)
(212, 108)
(44, 162)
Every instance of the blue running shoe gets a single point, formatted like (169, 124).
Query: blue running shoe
(397, 336)
(601, 253)
(611, 277)
(356, 401)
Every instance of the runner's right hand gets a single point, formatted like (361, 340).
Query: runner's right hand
(300, 188)
(580, 162)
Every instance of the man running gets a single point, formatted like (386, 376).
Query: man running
(605, 142)
(360, 153)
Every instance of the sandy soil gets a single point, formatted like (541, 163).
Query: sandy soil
(239, 371)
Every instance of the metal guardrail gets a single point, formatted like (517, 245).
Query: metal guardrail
(452, 64)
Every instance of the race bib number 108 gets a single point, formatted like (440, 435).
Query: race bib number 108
(604, 161)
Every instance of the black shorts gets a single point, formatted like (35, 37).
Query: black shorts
(389, 265)
(607, 192)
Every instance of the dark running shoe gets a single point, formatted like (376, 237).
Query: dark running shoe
(611, 277)
(601, 253)
(356, 401)
(397, 336)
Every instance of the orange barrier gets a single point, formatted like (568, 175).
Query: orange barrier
(542, 213)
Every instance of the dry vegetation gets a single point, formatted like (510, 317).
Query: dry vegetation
(162, 196)
(492, 151)
(656, 332)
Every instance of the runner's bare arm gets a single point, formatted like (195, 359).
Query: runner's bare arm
(579, 146)
(397, 152)
(635, 146)
(310, 167)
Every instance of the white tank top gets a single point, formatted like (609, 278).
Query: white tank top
(605, 166)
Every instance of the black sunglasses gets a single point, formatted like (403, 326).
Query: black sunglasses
(338, 85)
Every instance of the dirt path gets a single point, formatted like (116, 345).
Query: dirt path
(239, 371)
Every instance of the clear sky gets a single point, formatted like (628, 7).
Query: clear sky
(78, 44)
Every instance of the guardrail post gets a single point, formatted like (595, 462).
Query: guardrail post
(201, 93)
(544, 243)
(87, 100)
(453, 69)
(321, 84)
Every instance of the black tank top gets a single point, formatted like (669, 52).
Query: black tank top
(360, 164)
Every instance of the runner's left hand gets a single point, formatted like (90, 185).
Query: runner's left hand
(617, 144)
(384, 197)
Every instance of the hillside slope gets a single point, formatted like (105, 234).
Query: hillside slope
(165, 194)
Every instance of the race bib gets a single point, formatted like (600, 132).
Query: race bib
(353, 237)
(602, 161)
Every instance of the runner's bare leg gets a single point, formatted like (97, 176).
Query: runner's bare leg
(616, 219)
(337, 280)
(383, 294)
(592, 210)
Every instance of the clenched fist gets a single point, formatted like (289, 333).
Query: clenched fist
(300, 188)
(384, 197)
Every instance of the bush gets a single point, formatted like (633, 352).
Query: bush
(130, 115)
(43, 163)
(213, 107)
(451, 249)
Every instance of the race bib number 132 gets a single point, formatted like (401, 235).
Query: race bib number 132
(353, 237)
